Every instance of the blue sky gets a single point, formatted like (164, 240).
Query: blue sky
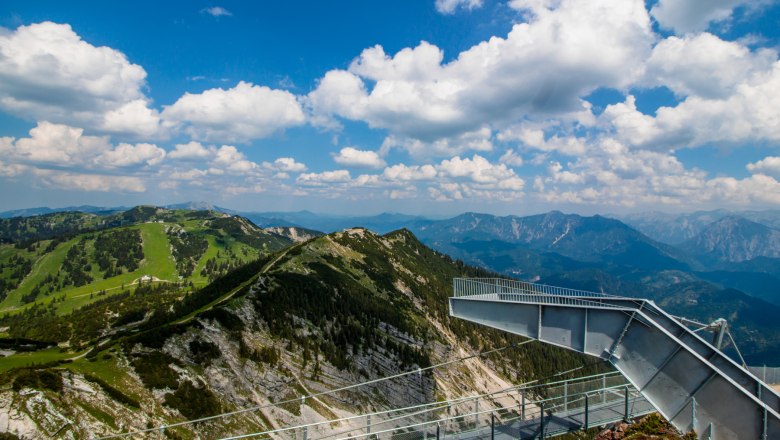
(428, 106)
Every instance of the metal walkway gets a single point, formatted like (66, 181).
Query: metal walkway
(520, 412)
(691, 383)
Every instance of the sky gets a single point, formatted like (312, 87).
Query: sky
(430, 107)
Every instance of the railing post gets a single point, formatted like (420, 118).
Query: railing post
(438, 432)
(693, 413)
(603, 388)
(764, 421)
(587, 425)
(625, 409)
(522, 408)
(566, 396)
(541, 421)
(368, 424)
(305, 432)
(492, 426)
(476, 413)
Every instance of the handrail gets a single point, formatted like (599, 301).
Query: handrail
(479, 286)
(443, 404)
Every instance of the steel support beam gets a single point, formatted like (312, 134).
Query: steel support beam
(670, 364)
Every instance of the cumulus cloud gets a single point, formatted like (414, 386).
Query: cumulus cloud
(748, 115)
(89, 182)
(477, 140)
(480, 170)
(288, 165)
(612, 174)
(227, 157)
(352, 157)
(685, 16)
(511, 158)
(402, 172)
(535, 138)
(704, 65)
(191, 151)
(128, 155)
(543, 67)
(769, 165)
(450, 6)
(240, 114)
(58, 145)
(47, 72)
(315, 179)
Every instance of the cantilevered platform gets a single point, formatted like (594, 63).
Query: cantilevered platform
(689, 381)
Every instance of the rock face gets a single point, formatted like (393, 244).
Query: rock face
(328, 313)
(735, 239)
(297, 235)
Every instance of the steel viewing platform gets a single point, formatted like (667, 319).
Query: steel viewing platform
(685, 377)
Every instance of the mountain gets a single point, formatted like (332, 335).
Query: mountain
(295, 234)
(43, 210)
(601, 254)
(734, 239)
(678, 228)
(381, 223)
(73, 258)
(336, 310)
(584, 239)
(200, 206)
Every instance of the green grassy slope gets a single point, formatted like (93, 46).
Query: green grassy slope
(227, 243)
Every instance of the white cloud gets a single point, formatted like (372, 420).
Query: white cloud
(403, 172)
(57, 144)
(191, 151)
(134, 117)
(350, 156)
(614, 175)
(240, 114)
(11, 170)
(217, 11)
(187, 175)
(477, 140)
(228, 158)
(288, 164)
(511, 158)
(336, 176)
(128, 155)
(769, 165)
(704, 65)
(685, 16)
(67, 147)
(534, 138)
(748, 115)
(543, 67)
(479, 170)
(450, 6)
(47, 72)
(89, 182)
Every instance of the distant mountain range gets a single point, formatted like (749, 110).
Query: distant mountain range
(678, 228)
(734, 239)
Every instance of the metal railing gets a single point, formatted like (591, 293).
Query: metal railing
(770, 375)
(484, 286)
(470, 416)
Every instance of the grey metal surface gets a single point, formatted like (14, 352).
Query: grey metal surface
(689, 381)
